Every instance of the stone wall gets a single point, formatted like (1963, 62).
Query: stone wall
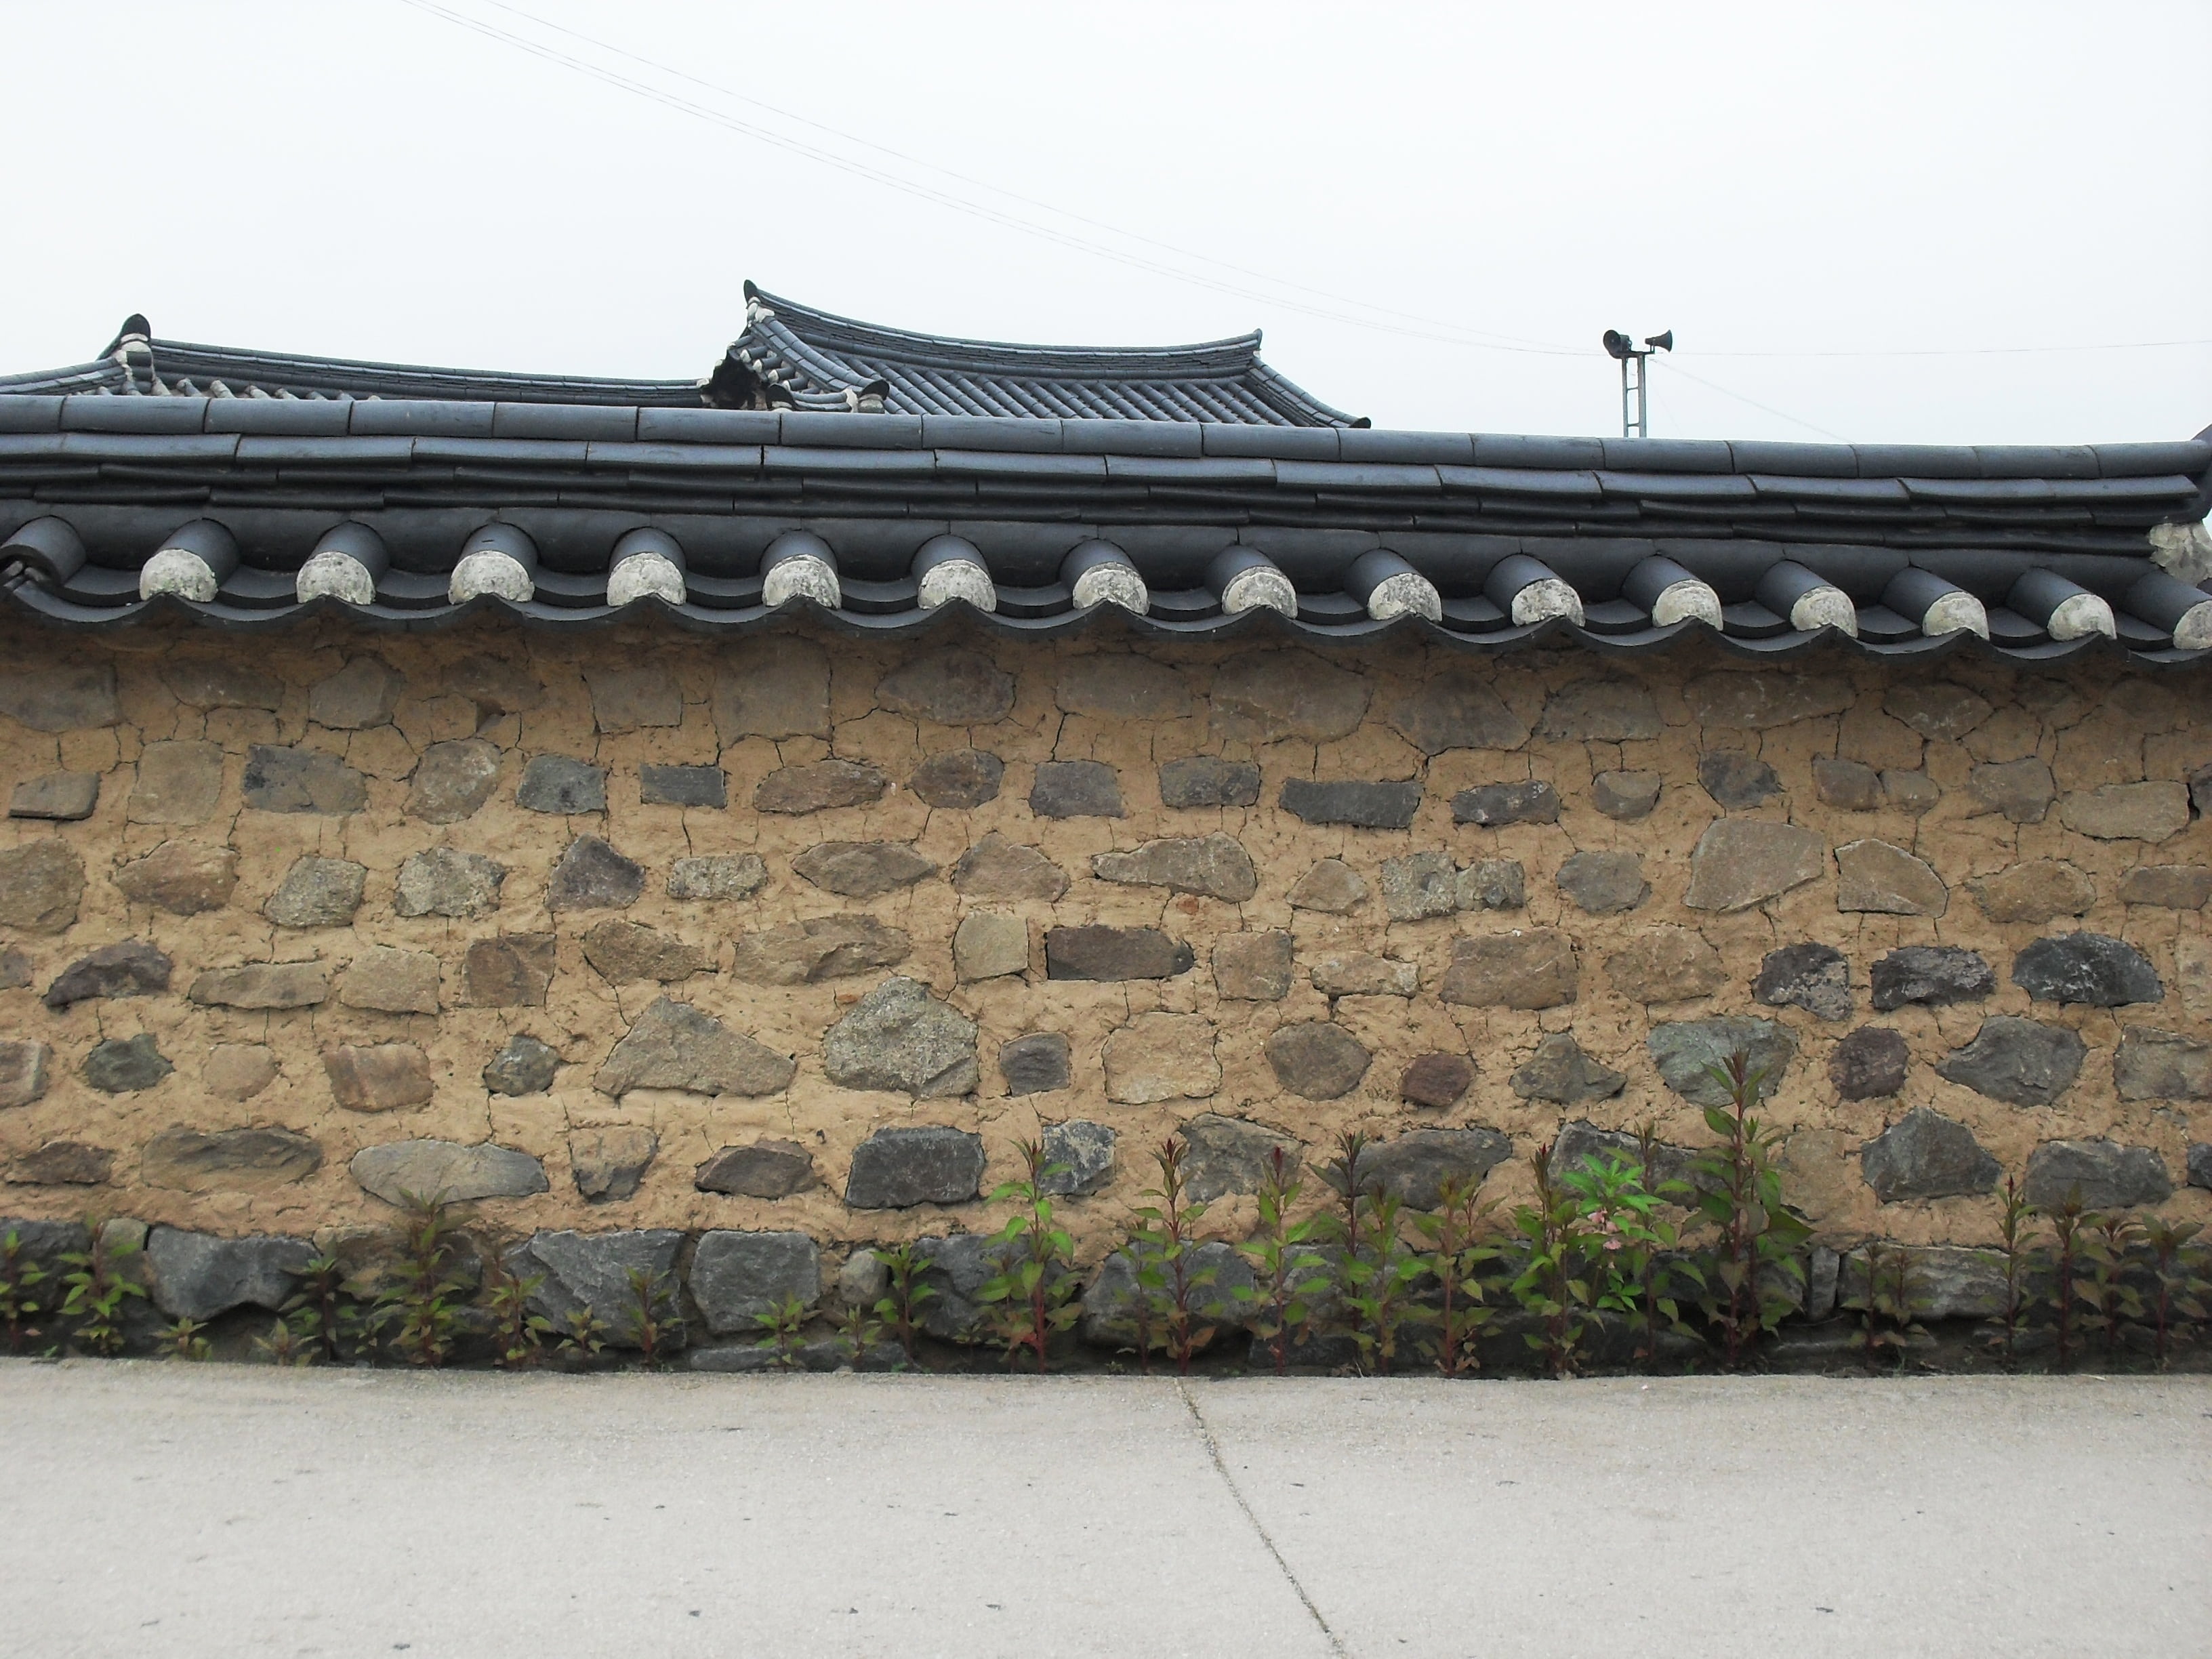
(629, 931)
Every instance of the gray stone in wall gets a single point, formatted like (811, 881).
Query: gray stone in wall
(895, 1169)
(23, 1068)
(960, 781)
(2021, 790)
(706, 787)
(1604, 883)
(1743, 862)
(675, 1046)
(1036, 1064)
(61, 698)
(131, 968)
(955, 1272)
(391, 981)
(510, 970)
(494, 685)
(447, 1171)
(592, 876)
(524, 1065)
(1760, 701)
(15, 969)
(41, 885)
(226, 1160)
(280, 780)
(1087, 1150)
(1936, 708)
(1454, 712)
(561, 784)
(1359, 805)
(2094, 968)
(735, 1277)
(988, 944)
(2155, 1065)
(1419, 885)
(1263, 694)
(1531, 970)
(769, 1168)
(1332, 887)
(996, 868)
(1491, 885)
(62, 1164)
(1076, 789)
(1563, 1073)
(1111, 1299)
(1315, 1060)
(181, 876)
(1414, 1167)
(1874, 877)
(317, 892)
(630, 699)
(1870, 1064)
(1115, 953)
(717, 877)
(1208, 780)
(1684, 1050)
(1627, 796)
(1227, 1155)
(1736, 780)
(453, 779)
(176, 782)
(864, 1281)
(2168, 886)
(862, 869)
(1437, 1080)
(1926, 1155)
(898, 1037)
(1116, 684)
(124, 1066)
(262, 985)
(1211, 866)
(2022, 1062)
(1941, 1281)
(1495, 804)
(360, 694)
(198, 1276)
(1910, 791)
(951, 688)
(817, 949)
(1253, 966)
(2128, 811)
(593, 1271)
(1934, 975)
(1850, 785)
(1582, 1140)
(2111, 1176)
(624, 953)
(774, 686)
(2200, 1164)
(1665, 964)
(1601, 711)
(819, 786)
(379, 1077)
(1813, 976)
(441, 882)
(62, 797)
(1363, 974)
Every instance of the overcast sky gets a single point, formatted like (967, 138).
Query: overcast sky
(1394, 193)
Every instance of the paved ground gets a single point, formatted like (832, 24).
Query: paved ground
(154, 1510)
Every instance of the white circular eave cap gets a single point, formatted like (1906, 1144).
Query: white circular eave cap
(489, 571)
(337, 575)
(1260, 587)
(1408, 593)
(175, 571)
(958, 579)
(801, 577)
(641, 574)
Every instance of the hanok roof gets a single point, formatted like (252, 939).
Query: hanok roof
(789, 356)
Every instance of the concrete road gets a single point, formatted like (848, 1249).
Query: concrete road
(154, 1510)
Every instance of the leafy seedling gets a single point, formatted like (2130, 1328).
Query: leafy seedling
(1757, 1275)
(183, 1340)
(901, 1306)
(285, 1344)
(1554, 1284)
(422, 1307)
(2179, 1284)
(100, 1288)
(19, 1276)
(654, 1325)
(1631, 1245)
(1170, 1280)
(2070, 1221)
(1286, 1273)
(519, 1330)
(583, 1336)
(2017, 1256)
(1892, 1317)
(780, 1326)
(1029, 1296)
(2113, 1303)
(1378, 1301)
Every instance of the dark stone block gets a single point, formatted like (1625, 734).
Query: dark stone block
(1815, 977)
(1437, 1080)
(278, 779)
(962, 780)
(560, 783)
(767, 1169)
(1360, 806)
(1561, 1073)
(2110, 1176)
(1207, 780)
(1934, 975)
(2022, 1062)
(593, 876)
(2091, 967)
(130, 968)
(1316, 1060)
(1414, 1167)
(1113, 953)
(524, 1067)
(1493, 804)
(1086, 1149)
(683, 786)
(124, 1066)
(1869, 1064)
(1926, 1155)
(898, 1169)
(1076, 789)
(1736, 780)
(1037, 1064)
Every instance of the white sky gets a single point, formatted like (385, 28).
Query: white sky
(368, 179)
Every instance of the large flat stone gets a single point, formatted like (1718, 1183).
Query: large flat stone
(2166, 886)
(735, 1277)
(1227, 1155)
(62, 697)
(1743, 862)
(716, 877)
(1931, 975)
(23, 1069)
(1454, 712)
(1437, 1080)
(592, 876)
(772, 687)
(1495, 804)
(1212, 867)
(1363, 974)
(1852, 786)
(1943, 1281)
(2109, 1175)
(900, 1038)
(1261, 696)
(1561, 1072)
(1685, 1051)
(199, 1276)
(125, 1066)
(1086, 1150)
(996, 868)
(1076, 789)
(896, 1168)
(318, 892)
(1209, 780)
(705, 787)
(1813, 976)
(820, 948)
(1111, 1301)
(176, 782)
(1582, 1142)
(447, 1172)
(1159, 1057)
(2088, 967)
(1870, 1064)
(453, 779)
(950, 688)
(441, 882)
(593, 1273)
(673, 1045)
(360, 694)
(1759, 701)
(1926, 1155)
(1253, 966)
(862, 869)
(1665, 964)
(959, 780)
(379, 1077)
(2022, 790)
(1414, 1167)
(1115, 953)
(819, 786)
(42, 884)
(561, 784)
(2128, 811)
(2155, 1065)
(1602, 711)
(510, 970)
(2022, 1062)
(184, 878)
(1532, 969)
(2041, 890)
(1037, 1063)
(1603, 884)
(131, 968)
(631, 699)
(1737, 781)
(767, 1168)
(1628, 796)
(393, 981)
(61, 797)
(990, 945)
(1332, 887)
(495, 684)
(280, 779)
(227, 1160)
(1120, 685)
(1936, 708)
(524, 1065)
(263, 985)
(1315, 1060)
(625, 952)
(1876, 877)
(62, 1164)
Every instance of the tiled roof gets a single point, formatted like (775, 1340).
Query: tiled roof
(787, 357)
(412, 514)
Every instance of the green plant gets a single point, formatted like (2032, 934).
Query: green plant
(2069, 1221)
(19, 1274)
(1382, 1285)
(1285, 1273)
(901, 1306)
(1165, 1246)
(1891, 1319)
(2113, 1302)
(422, 1303)
(655, 1324)
(2018, 1257)
(583, 1334)
(2178, 1280)
(284, 1345)
(780, 1326)
(1029, 1293)
(858, 1332)
(1552, 1284)
(1760, 1276)
(1459, 1232)
(326, 1307)
(100, 1288)
(1631, 1244)
(183, 1341)
(519, 1332)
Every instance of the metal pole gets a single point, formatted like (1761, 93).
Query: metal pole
(1643, 385)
